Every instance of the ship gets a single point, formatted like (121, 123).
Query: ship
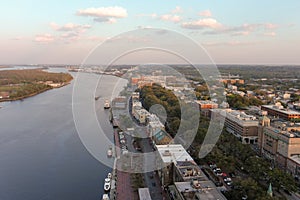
(107, 184)
(105, 197)
(109, 152)
(106, 104)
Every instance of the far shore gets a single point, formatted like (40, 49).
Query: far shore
(33, 94)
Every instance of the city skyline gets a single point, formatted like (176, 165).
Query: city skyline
(53, 32)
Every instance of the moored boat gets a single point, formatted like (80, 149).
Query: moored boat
(106, 104)
(109, 152)
(107, 184)
(105, 197)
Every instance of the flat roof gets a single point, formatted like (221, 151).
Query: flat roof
(207, 191)
(144, 194)
(206, 102)
(173, 153)
(289, 112)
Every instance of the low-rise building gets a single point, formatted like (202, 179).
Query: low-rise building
(182, 176)
(119, 102)
(154, 125)
(205, 107)
(141, 115)
(277, 110)
(240, 124)
(280, 142)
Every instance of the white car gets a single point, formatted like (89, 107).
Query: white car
(227, 179)
(122, 141)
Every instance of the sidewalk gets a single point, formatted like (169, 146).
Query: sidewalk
(123, 182)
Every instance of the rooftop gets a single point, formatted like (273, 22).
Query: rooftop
(189, 170)
(296, 158)
(285, 111)
(162, 137)
(202, 102)
(144, 194)
(206, 190)
(173, 153)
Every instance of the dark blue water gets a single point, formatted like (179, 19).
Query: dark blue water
(41, 155)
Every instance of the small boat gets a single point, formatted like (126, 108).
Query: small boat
(107, 184)
(109, 152)
(106, 104)
(109, 175)
(105, 197)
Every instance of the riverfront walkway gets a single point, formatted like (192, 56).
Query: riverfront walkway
(123, 182)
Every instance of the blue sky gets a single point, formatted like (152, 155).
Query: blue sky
(250, 31)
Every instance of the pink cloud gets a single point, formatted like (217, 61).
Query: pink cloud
(202, 23)
(271, 26)
(104, 14)
(205, 13)
(171, 18)
(271, 34)
(44, 38)
(70, 27)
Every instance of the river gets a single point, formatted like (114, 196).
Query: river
(41, 155)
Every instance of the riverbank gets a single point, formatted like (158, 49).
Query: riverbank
(24, 83)
(33, 94)
(46, 145)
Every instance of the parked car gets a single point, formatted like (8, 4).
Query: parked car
(232, 174)
(212, 165)
(218, 171)
(227, 179)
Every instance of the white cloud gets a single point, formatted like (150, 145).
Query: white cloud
(44, 38)
(104, 14)
(70, 27)
(171, 18)
(271, 34)
(177, 10)
(202, 23)
(205, 13)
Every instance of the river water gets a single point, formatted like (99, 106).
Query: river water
(41, 154)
